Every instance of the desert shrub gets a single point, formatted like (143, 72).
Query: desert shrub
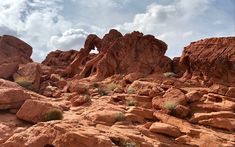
(110, 87)
(122, 142)
(170, 74)
(53, 114)
(130, 144)
(24, 82)
(131, 103)
(120, 117)
(87, 98)
(102, 91)
(131, 90)
(170, 105)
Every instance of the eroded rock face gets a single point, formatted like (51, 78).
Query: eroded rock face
(33, 110)
(13, 52)
(119, 97)
(30, 72)
(134, 52)
(210, 59)
(60, 58)
(12, 96)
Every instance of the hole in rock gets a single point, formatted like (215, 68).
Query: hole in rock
(49, 145)
(218, 99)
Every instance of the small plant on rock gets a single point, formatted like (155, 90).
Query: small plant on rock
(110, 87)
(87, 98)
(102, 91)
(130, 144)
(131, 103)
(24, 82)
(123, 142)
(53, 114)
(131, 90)
(120, 117)
(170, 105)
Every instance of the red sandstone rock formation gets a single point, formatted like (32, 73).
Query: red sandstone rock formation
(13, 52)
(210, 59)
(129, 105)
(131, 53)
(60, 59)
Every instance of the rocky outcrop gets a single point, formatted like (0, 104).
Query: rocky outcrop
(210, 60)
(60, 59)
(33, 110)
(131, 53)
(30, 72)
(127, 94)
(12, 96)
(166, 129)
(13, 52)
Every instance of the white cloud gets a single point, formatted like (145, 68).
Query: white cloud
(34, 21)
(172, 23)
(146, 22)
(102, 3)
(70, 39)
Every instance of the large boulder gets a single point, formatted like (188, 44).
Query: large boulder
(13, 52)
(30, 72)
(35, 110)
(131, 53)
(12, 96)
(165, 129)
(210, 59)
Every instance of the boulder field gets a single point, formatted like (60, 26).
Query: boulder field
(127, 94)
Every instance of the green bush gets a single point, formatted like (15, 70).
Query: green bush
(87, 98)
(24, 82)
(170, 105)
(53, 114)
(131, 103)
(120, 117)
(122, 142)
(130, 144)
(110, 87)
(131, 90)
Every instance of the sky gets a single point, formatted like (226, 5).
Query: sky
(48, 25)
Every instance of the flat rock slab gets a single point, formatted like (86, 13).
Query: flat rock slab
(165, 129)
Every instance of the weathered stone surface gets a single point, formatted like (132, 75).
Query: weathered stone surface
(210, 59)
(166, 129)
(231, 92)
(12, 96)
(222, 123)
(193, 96)
(59, 58)
(123, 96)
(181, 111)
(13, 52)
(33, 110)
(202, 116)
(117, 52)
(30, 72)
(170, 99)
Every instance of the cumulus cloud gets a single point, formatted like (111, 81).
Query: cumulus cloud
(34, 21)
(63, 24)
(177, 23)
(70, 39)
